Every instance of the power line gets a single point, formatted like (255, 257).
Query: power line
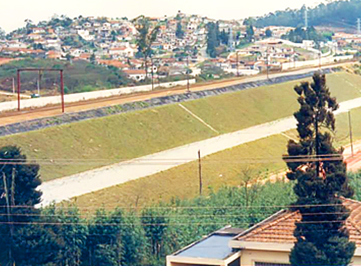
(191, 207)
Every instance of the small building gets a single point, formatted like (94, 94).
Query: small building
(136, 74)
(266, 243)
(213, 249)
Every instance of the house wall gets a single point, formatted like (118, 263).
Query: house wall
(249, 257)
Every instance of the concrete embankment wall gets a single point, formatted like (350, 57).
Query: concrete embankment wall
(154, 102)
(316, 62)
(84, 96)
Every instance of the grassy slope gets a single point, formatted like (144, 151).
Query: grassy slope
(229, 112)
(111, 139)
(136, 134)
(222, 168)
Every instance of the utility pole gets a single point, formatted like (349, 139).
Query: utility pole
(237, 64)
(151, 59)
(9, 219)
(200, 172)
(267, 55)
(319, 58)
(13, 85)
(350, 129)
(187, 71)
(358, 26)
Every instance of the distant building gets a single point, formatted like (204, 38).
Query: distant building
(136, 74)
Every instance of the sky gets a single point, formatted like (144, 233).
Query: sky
(14, 12)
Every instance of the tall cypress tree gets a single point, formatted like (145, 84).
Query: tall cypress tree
(18, 195)
(321, 180)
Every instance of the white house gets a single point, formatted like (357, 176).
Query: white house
(136, 74)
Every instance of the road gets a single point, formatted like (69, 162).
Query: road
(49, 111)
(86, 182)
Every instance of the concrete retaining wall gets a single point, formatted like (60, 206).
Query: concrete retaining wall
(316, 62)
(84, 96)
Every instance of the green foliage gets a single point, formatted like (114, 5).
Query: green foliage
(224, 36)
(318, 182)
(179, 32)
(146, 38)
(103, 245)
(212, 39)
(250, 33)
(268, 33)
(333, 13)
(18, 187)
(79, 76)
(300, 34)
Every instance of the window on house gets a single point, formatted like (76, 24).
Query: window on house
(270, 264)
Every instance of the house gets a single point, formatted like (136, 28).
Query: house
(135, 74)
(54, 55)
(211, 250)
(266, 243)
(122, 51)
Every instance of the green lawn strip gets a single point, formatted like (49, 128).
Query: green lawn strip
(111, 139)
(229, 112)
(219, 169)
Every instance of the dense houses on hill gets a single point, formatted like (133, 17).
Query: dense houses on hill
(112, 42)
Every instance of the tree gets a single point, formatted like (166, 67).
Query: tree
(179, 32)
(250, 32)
(103, 245)
(155, 226)
(212, 42)
(145, 39)
(2, 34)
(71, 234)
(268, 33)
(321, 180)
(224, 37)
(18, 187)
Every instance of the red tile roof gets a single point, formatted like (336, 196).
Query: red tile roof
(135, 72)
(279, 228)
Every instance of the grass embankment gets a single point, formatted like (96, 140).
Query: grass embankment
(220, 169)
(130, 135)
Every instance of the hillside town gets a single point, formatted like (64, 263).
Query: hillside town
(180, 140)
(181, 43)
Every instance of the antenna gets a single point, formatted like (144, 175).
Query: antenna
(306, 18)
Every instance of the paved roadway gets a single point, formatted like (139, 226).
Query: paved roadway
(86, 182)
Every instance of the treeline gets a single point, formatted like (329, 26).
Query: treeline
(300, 34)
(79, 76)
(218, 40)
(67, 235)
(334, 13)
